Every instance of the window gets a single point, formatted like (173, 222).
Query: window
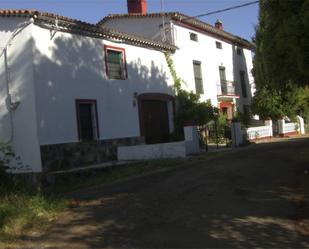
(87, 120)
(239, 51)
(222, 74)
(193, 37)
(218, 45)
(115, 63)
(198, 77)
(243, 84)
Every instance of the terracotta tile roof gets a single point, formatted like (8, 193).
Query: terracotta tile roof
(182, 18)
(76, 26)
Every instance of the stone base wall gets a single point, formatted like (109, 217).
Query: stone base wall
(70, 155)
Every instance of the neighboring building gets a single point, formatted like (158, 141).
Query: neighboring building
(210, 61)
(71, 92)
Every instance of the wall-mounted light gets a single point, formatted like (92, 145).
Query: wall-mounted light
(13, 100)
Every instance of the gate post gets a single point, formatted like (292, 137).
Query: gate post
(237, 138)
(269, 123)
(191, 139)
(281, 123)
(301, 125)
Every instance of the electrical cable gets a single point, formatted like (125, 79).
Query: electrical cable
(222, 10)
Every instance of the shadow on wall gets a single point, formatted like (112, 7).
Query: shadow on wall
(240, 64)
(74, 68)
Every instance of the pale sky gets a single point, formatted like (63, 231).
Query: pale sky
(240, 22)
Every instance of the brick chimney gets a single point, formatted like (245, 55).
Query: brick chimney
(219, 25)
(137, 7)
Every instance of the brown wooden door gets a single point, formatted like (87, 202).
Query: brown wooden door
(155, 121)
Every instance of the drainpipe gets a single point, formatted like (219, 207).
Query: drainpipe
(4, 53)
(7, 81)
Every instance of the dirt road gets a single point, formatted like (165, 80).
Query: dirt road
(253, 197)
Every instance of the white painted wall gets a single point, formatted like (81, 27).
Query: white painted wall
(21, 86)
(150, 28)
(204, 50)
(211, 58)
(152, 151)
(69, 67)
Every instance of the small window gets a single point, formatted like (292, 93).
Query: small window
(218, 45)
(87, 120)
(198, 77)
(115, 63)
(239, 51)
(243, 83)
(193, 37)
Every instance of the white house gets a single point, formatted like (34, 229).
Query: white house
(71, 92)
(209, 60)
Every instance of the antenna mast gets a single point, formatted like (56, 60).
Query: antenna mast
(163, 21)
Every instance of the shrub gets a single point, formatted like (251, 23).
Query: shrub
(191, 109)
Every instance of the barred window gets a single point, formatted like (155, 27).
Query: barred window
(115, 64)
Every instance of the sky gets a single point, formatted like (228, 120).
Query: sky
(240, 21)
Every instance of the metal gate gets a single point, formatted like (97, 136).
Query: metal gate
(215, 135)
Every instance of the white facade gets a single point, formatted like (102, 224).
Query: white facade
(19, 126)
(49, 70)
(203, 50)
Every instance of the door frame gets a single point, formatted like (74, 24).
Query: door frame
(226, 104)
(95, 119)
(152, 96)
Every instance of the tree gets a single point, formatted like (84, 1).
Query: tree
(282, 59)
(282, 43)
(191, 109)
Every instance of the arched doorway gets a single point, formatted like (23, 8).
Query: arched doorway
(154, 116)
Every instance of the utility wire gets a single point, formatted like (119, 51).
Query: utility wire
(222, 10)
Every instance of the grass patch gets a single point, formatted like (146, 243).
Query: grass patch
(22, 212)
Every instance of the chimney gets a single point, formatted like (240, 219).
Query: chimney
(219, 25)
(137, 7)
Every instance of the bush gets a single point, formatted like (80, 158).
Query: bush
(191, 109)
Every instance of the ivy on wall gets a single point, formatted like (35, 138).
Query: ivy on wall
(189, 107)
(177, 80)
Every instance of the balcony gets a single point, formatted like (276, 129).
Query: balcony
(227, 89)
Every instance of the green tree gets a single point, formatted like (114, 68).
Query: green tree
(282, 59)
(191, 109)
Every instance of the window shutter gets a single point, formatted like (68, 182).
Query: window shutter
(198, 77)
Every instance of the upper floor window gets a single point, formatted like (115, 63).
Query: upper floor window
(222, 74)
(218, 45)
(198, 77)
(193, 37)
(239, 51)
(115, 60)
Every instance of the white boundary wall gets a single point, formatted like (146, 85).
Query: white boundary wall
(152, 151)
(265, 131)
(163, 150)
(289, 128)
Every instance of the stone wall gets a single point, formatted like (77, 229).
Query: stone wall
(69, 155)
